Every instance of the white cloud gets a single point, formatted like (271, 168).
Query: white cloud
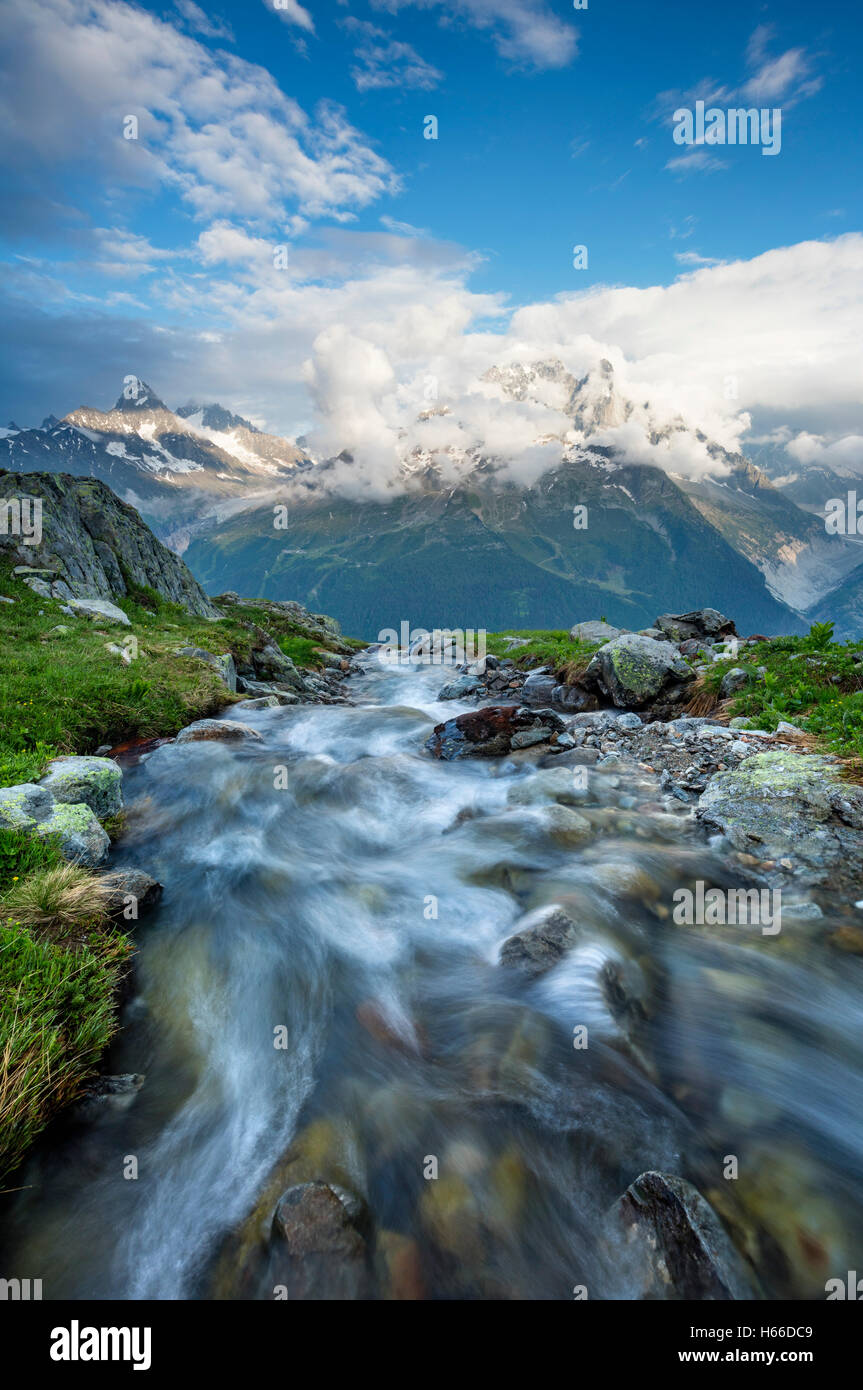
(199, 22)
(215, 129)
(525, 32)
(292, 12)
(383, 61)
(844, 454)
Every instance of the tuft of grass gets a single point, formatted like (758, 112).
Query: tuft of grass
(57, 1016)
(59, 901)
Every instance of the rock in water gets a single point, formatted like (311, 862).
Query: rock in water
(492, 731)
(678, 1246)
(631, 671)
(318, 1246)
(204, 730)
(132, 888)
(98, 782)
(544, 938)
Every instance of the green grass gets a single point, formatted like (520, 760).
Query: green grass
(552, 648)
(67, 694)
(22, 854)
(57, 1015)
(809, 681)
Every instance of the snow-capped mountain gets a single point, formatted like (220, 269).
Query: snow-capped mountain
(176, 467)
(669, 508)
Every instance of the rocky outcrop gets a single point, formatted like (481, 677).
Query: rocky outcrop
(493, 731)
(223, 665)
(94, 546)
(632, 670)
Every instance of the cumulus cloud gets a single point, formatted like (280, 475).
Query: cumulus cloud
(213, 128)
(843, 455)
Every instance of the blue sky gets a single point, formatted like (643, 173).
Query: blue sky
(302, 127)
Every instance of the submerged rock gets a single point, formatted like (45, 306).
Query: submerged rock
(631, 671)
(318, 1244)
(97, 782)
(677, 1244)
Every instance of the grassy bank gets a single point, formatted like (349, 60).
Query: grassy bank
(61, 964)
(64, 692)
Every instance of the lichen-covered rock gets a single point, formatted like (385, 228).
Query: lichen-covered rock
(794, 806)
(99, 609)
(98, 782)
(676, 1246)
(271, 664)
(79, 835)
(22, 806)
(631, 671)
(223, 665)
(205, 730)
(543, 938)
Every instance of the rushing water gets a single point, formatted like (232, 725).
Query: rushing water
(361, 909)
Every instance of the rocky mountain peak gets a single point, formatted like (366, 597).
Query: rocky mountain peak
(137, 395)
